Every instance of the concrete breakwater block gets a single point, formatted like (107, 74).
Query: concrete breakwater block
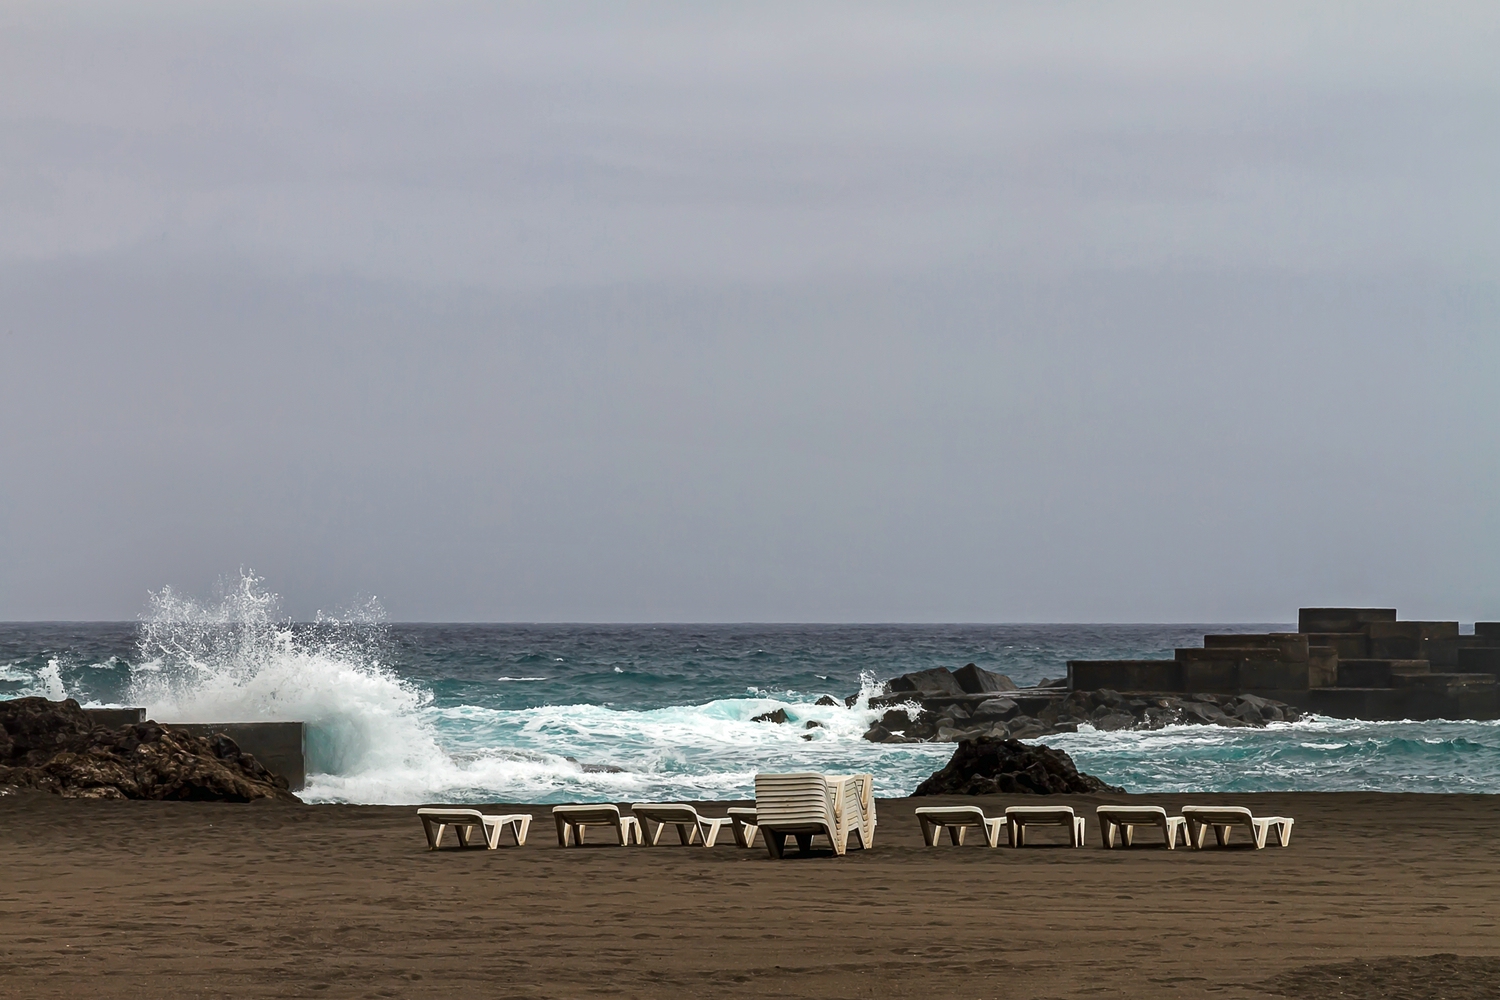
(1289, 645)
(1348, 645)
(1407, 640)
(1377, 672)
(1485, 660)
(1488, 630)
(280, 746)
(1341, 619)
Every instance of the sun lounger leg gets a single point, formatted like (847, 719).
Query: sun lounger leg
(1127, 834)
(1221, 834)
(1284, 832)
(1197, 833)
(1079, 825)
(687, 833)
(775, 842)
(956, 836)
(804, 841)
(992, 831)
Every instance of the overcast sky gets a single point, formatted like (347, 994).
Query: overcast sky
(691, 312)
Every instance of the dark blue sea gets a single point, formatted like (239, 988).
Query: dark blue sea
(404, 713)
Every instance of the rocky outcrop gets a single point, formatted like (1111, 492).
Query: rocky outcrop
(989, 766)
(54, 746)
(922, 707)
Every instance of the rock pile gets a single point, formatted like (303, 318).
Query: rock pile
(989, 766)
(54, 746)
(947, 706)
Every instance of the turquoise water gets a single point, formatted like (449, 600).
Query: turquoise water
(414, 713)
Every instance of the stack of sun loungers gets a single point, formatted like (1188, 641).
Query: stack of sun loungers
(807, 805)
(841, 810)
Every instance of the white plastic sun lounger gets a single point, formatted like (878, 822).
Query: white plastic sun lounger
(464, 821)
(573, 821)
(797, 805)
(854, 798)
(956, 820)
(1124, 820)
(1223, 818)
(690, 825)
(1017, 818)
(743, 825)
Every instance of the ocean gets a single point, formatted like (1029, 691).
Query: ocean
(409, 713)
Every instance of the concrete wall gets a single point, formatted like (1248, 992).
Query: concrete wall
(114, 718)
(1490, 630)
(280, 746)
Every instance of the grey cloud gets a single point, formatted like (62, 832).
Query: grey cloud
(989, 312)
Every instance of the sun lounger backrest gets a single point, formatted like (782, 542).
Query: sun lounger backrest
(452, 815)
(666, 812)
(794, 799)
(1218, 814)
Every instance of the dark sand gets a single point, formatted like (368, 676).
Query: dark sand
(138, 899)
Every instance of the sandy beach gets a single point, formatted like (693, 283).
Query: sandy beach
(117, 899)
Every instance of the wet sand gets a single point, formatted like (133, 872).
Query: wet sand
(140, 899)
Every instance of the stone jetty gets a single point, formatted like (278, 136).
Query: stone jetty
(1354, 663)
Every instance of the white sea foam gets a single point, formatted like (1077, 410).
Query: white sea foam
(233, 661)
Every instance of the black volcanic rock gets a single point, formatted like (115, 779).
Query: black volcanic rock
(779, 717)
(935, 683)
(977, 680)
(988, 766)
(54, 746)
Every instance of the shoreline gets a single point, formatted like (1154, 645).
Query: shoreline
(110, 898)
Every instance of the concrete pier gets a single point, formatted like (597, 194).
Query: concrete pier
(1361, 663)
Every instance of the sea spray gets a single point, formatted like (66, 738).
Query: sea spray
(234, 660)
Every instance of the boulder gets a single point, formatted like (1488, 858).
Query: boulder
(828, 701)
(1113, 722)
(778, 717)
(938, 682)
(995, 709)
(987, 766)
(812, 724)
(975, 679)
(54, 746)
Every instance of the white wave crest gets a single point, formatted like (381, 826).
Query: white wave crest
(232, 660)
